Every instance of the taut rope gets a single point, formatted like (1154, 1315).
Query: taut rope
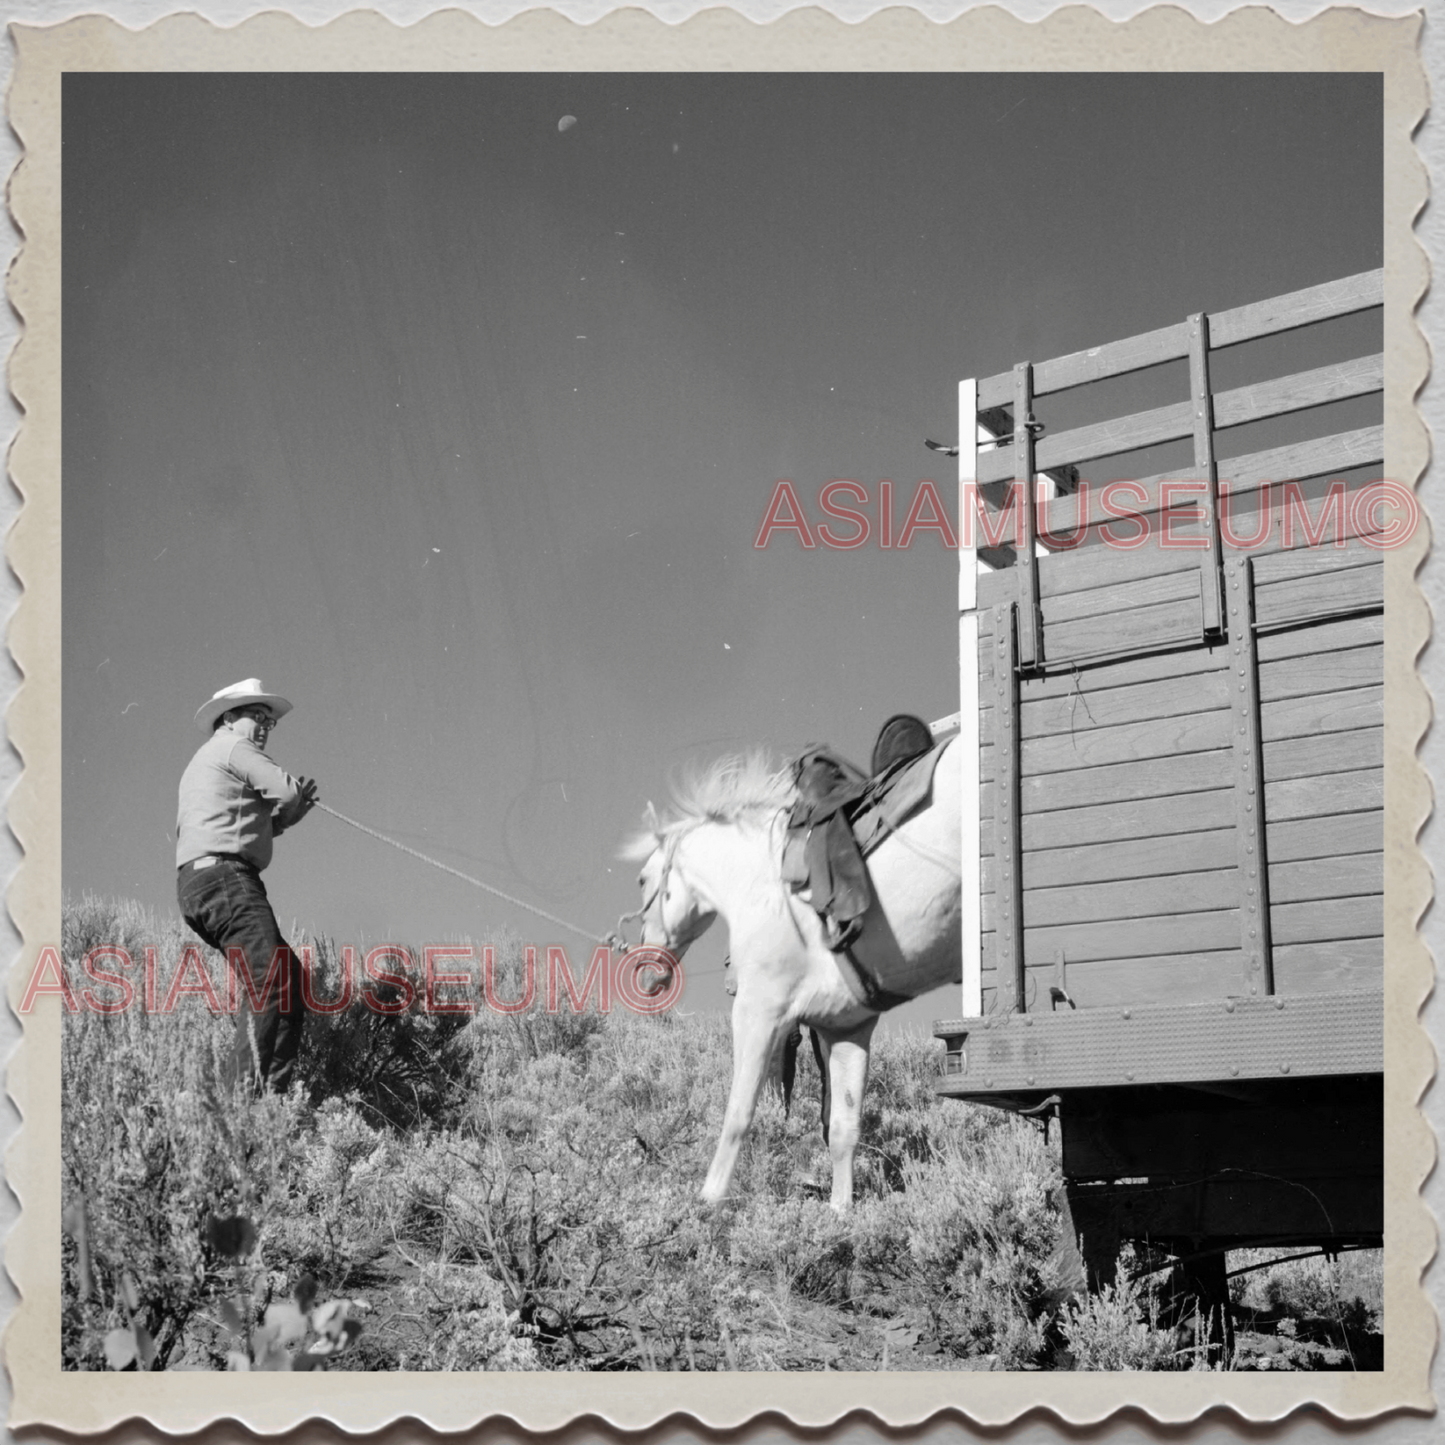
(611, 940)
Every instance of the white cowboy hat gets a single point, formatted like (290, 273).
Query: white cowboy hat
(249, 693)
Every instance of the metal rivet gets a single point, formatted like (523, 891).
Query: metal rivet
(1128, 1014)
(1128, 1073)
(1234, 1069)
(1253, 989)
(1284, 1067)
(1229, 1006)
(1279, 1003)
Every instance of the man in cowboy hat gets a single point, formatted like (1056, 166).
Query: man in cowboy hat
(234, 801)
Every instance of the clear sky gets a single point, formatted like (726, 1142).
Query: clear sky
(456, 427)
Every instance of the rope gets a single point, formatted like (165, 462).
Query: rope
(610, 940)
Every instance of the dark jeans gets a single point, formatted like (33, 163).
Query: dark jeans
(227, 905)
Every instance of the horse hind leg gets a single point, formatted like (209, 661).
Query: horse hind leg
(756, 1038)
(847, 1076)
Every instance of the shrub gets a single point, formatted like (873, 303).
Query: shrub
(520, 1192)
(1116, 1328)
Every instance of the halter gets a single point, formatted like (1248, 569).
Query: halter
(669, 856)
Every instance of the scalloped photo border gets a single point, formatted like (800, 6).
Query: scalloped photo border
(1076, 39)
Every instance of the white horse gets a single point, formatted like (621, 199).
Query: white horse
(722, 855)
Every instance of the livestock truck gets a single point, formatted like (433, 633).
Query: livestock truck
(1174, 832)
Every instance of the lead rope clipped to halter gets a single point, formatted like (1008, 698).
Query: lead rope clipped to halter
(612, 940)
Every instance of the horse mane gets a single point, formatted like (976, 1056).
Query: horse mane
(736, 788)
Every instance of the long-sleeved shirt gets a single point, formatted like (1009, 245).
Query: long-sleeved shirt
(234, 799)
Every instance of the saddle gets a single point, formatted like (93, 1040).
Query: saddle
(841, 814)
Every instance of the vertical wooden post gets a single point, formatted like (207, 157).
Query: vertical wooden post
(1210, 584)
(1253, 859)
(1008, 898)
(1030, 640)
(970, 861)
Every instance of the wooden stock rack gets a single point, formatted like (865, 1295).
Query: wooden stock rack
(1175, 832)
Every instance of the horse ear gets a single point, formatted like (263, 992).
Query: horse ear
(651, 819)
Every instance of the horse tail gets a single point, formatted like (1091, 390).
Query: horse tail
(823, 1076)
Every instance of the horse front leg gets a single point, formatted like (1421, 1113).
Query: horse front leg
(847, 1076)
(756, 1034)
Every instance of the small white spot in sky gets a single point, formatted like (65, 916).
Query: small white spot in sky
(727, 647)
(128, 707)
(436, 549)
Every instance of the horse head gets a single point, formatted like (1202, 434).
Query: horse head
(675, 913)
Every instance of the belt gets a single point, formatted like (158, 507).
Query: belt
(209, 860)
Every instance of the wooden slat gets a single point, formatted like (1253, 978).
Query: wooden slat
(1172, 586)
(1088, 707)
(1274, 541)
(1305, 389)
(1155, 738)
(1332, 967)
(1139, 628)
(1171, 343)
(1140, 858)
(1143, 818)
(1122, 672)
(1174, 777)
(1298, 308)
(1303, 717)
(1174, 893)
(1349, 589)
(1305, 561)
(1134, 937)
(1175, 422)
(1179, 978)
(1299, 461)
(1320, 797)
(1326, 754)
(1099, 439)
(1326, 836)
(1116, 358)
(1102, 566)
(1327, 920)
(1346, 876)
(1313, 673)
(1334, 636)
